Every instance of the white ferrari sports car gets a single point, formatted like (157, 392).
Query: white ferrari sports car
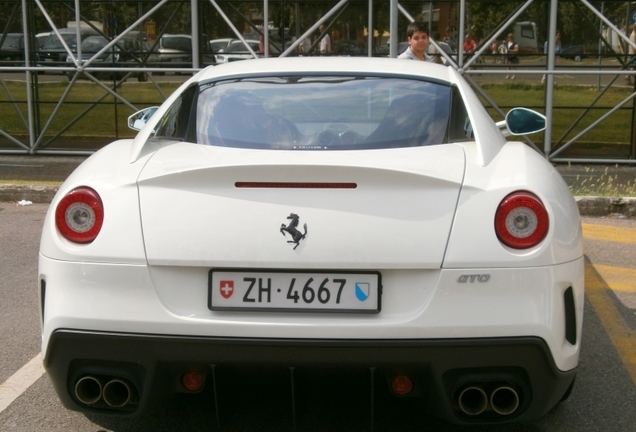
(316, 214)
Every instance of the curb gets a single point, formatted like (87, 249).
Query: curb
(604, 206)
(34, 193)
(588, 206)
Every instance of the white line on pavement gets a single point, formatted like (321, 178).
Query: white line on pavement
(20, 381)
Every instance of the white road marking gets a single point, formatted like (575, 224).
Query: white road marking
(20, 381)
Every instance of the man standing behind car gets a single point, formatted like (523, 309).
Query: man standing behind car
(325, 42)
(418, 39)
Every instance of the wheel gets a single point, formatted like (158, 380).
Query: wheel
(577, 58)
(142, 77)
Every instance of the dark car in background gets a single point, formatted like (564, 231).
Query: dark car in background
(351, 48)
(53, 52)
(574, 52)
(12, 47)
(127, 52)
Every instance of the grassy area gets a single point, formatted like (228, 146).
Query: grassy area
(108, 120)
(610, 139)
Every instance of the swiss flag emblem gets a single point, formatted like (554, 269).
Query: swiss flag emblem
(227, 288)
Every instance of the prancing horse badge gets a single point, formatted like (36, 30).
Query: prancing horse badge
(292, 229)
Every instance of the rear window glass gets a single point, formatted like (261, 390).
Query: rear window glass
(322, 112)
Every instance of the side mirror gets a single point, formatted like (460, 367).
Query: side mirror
(522, 121)
(139, 119)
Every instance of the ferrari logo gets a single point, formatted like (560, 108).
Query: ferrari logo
(292, 229)
(227, 288)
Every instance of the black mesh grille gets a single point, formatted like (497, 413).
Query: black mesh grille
(42, 295)
(570, 316)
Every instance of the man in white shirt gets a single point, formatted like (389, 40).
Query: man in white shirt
(325, 42)
(418, 39)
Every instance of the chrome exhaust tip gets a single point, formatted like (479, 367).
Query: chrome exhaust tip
(117, 393)
(88, 390)
(473, 401)
(504, 400)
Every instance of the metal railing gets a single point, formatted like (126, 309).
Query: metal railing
(44, 130)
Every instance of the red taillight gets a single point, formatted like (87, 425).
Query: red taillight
(192, 381)
(521, 220)
(402, 385)
(79, 215)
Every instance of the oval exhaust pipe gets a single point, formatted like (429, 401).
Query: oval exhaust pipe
(88, 390)
(117, 393)
(473, 401)
(504, 400)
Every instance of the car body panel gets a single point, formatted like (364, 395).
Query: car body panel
(415, 305)
(473, 234)
(410, 191)
(109, 173)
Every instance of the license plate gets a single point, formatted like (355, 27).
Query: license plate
(293, 291)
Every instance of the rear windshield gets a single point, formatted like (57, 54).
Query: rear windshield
(319, 112)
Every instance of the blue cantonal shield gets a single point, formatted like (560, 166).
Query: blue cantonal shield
(363, 289)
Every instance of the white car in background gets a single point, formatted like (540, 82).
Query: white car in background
(236, 50)
(309, 215)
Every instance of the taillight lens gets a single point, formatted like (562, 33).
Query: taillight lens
(521, 220)
(79, 215)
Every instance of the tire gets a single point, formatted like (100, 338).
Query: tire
(577, 58)
(142, 77)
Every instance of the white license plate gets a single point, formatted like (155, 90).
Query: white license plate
(314, 291)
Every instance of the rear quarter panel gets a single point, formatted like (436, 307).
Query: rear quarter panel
(473, 242)
(114, 178)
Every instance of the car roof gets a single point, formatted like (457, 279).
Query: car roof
(361, 65)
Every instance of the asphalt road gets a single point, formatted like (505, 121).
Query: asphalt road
(603, 399)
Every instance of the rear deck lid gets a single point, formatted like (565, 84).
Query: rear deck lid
(366, 209)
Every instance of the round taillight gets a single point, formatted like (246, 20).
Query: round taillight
(521, 220)
(402, 385)
(192, 381)
(79, 215)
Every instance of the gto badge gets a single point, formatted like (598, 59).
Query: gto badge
(292, 229)
(474, 278)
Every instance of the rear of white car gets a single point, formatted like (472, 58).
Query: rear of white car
(422, 265)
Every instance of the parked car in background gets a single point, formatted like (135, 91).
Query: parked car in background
(218, 45)
(315, 217)
(127, 52)
(351, 48)
(574, 52)
(53, 53)
(175, 50)
(236, 51)
(430, 50)
(12, 48)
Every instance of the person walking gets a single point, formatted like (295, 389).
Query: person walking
(512, 48)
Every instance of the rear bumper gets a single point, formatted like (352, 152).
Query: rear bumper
(440, 369)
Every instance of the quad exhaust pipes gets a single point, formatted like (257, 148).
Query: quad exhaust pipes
(116, 393)
(88, 390)
(503, 400)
